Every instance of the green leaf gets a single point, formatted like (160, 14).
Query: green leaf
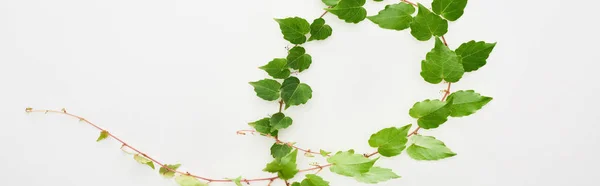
(474, 54)
(441, 63)
(103, 135)
(330, 2)
(427, 24)
(350, 11)
(277, 68)
(428, 148)
(185, 180)
(319, 30)
(394, 16)
(377, 175)
(390, 141)
(285, 167)
(430, 113)
(314, 180)
(449, 9)
(263, 126)
(294, 29)
(280, 121)
(280, 150)
(237, 181)
(466, 102)
(296, 184)
(295, 93)
(324, 153)
(166, 172)
(298, 59)
(347, 163)
(267, 89)
(143, 160)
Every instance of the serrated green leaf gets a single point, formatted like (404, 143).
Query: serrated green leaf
(143, 160)
(377, 175)
(263, 126)
(330, 2)
(466, 102)
(295, 93)
(267, 89)
(185, 180)
(324, 153)
(298, 59)
(428, 148)
(394, 16)
(430, 113)
(294, 29)
(280, 150)
(314, 180)
(473, 54)
(285, 167)
(166, 172)
(103, 135)
(441, 63)
(280, 121)
(347, 163)
(390, 141)
(237, 181)
(427, 24)
(449, 9)
(277, 68)
(350, 11)
(319, 30)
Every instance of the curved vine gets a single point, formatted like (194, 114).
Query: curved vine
(441, 64)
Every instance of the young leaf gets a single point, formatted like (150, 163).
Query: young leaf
(347, 163)
(449, 9)
(430, 113)
(376, 175)
(298, 59)
(277, 68)
(466, 102)
(427, 24)
(324, 153)
(441, 63)
(185, 180)
(428, 148)
(143, 160)
(103, 135)
(285, 167)
(267, 89)
(473, 54)
(330, 2)
(237, 181)
(350, 11)
(263, 126)
(314, 180)
(166, 172)
(390, 141)
(394, 16)
(280, 150)
(319, 30)
(280, 121)
(294, 29)
(295, 93)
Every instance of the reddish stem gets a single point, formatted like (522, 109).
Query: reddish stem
(411, 3)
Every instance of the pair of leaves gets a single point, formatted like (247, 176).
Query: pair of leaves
(285, 167)
(359, 167)
(291, 91)
(294, 29)
(272, 125)
(263, 126)
(185, 180)
(428, 148)
(351, 11)
(390, 141)
(279, 68)
(433, 113)
(170, 172)
(312, 180)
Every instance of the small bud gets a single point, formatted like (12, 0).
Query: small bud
(63, 110)
(28, 109)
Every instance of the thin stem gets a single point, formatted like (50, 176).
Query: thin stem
(411, 3)
(280, 105)
(125, 144)
(444, 40)
(324, 13)
(277, 140)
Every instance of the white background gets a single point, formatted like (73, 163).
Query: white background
(170, 77)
